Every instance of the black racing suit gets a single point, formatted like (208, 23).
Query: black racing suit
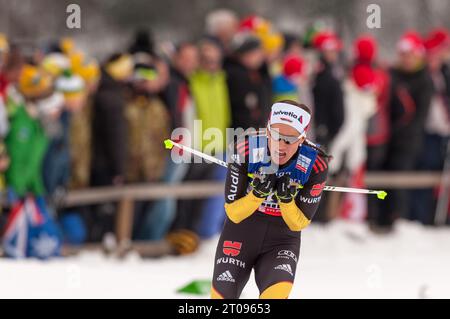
(263, 242)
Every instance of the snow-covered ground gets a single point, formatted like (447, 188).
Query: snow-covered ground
(339, 260)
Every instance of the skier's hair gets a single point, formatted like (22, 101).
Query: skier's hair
(321, 151)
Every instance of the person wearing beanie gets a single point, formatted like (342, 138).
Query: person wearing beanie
(27, 151)
(372, 85)
(57, 161)
(180, 103)
(80, 123)
(286, 85)
(26, 143)
(327, 95)
(327, 91)
(210, 92)
(78, 85)
(349, 148)
(366, 72)
(437, 124)
(410, 98)
(249, 82)
(148, 123)
(108, 158)
(108, 122)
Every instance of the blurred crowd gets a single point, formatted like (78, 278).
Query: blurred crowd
(68, 122)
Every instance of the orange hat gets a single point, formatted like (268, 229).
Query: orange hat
(34, 82)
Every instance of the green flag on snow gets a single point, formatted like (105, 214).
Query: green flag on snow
(196, 287)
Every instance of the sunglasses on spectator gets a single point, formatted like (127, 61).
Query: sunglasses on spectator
(288, 139)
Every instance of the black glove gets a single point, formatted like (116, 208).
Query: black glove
(285, 191)
(263, 185)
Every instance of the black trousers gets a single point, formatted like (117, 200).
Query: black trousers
(376, 159)
(401, 156)
(260, 242)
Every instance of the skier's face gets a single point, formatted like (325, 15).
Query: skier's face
(281, 151)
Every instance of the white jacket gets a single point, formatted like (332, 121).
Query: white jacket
(350, 142)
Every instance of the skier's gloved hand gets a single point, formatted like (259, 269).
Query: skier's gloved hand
(263, 185)
(285, 192)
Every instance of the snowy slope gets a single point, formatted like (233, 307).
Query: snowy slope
(340, 260)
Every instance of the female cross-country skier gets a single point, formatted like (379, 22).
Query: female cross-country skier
(273, 188)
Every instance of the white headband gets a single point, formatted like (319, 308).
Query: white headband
(284, 113)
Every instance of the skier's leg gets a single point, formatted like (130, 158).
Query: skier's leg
(275, 270)
(236, 252)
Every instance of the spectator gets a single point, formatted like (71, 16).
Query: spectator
(209, 89)
(328, 99)
(349, 147)
(412, 90)
(437, 124)
(178, 98)
(210, 92)
(249, 83)
(109, 138)
(327, 91)
(378, 129)
(27, 151)
(148, 127)
(81, 124)
(109, 125)
(57, 159)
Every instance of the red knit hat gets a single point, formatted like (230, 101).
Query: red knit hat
(293, 65)
(327, 40)
(363, 75)
(411, 42)
(365, 48)
(437, 39)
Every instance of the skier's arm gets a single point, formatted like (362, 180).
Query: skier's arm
(298, 213)
(293, 216)
(238, 204)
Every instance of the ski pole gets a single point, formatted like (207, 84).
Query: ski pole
(169, 144)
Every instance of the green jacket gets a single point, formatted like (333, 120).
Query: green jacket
(212, 103)
(26, 143)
